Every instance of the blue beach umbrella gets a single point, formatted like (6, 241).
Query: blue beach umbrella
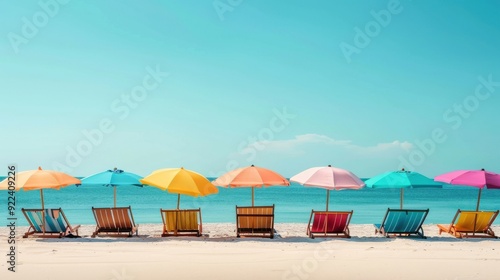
(113, 178)
(401, 179)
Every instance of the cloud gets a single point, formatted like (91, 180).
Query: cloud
(293, 155)
(301, 143)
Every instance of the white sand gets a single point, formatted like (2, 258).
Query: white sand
(291, 255)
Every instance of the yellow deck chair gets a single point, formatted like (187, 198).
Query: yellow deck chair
(181, 222)
(471, 224)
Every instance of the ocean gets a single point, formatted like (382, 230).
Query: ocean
(293, 204)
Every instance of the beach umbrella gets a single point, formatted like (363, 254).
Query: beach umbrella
(180, 181)
(402, 179)
(113, 178)
(39, 180)
(473, 178)
(329, 178)
(251, 176)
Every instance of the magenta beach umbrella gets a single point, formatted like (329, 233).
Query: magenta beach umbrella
(329, 178)
(473, 178)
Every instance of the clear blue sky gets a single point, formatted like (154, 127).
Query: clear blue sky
(283, 86)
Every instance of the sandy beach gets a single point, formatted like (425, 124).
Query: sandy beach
(220, 255)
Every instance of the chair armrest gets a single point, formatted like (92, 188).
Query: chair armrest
(75, 228)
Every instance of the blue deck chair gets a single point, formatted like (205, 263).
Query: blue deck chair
(402, 222)
(56, 224)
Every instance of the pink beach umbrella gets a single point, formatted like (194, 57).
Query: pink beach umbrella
(475, 178)
(329, 178)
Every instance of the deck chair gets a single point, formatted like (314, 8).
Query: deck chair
(471, 224)
(402, 222)
(56, 224)
(114, 220)
(184, 222)
(329, 224)
(255, 221)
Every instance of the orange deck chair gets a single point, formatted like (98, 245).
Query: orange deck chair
(114, 220)
(255, 221)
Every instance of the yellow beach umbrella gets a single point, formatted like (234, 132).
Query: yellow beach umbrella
(180, 181)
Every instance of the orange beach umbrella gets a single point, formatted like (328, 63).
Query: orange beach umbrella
(251, 176)
(39, 180)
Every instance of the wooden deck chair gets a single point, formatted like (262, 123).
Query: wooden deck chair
(56, 224)
(329, 224)
(115, 220)
(255, 221)
(181, 222)
(471, 224)
(402, 222)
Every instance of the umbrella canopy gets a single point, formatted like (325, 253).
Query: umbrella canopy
(113, 178)
(251, 176)
(474, 178)
(180, 181)
(329, 178)
(39, 180)
(401, 180)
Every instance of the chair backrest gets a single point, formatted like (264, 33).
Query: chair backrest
(55, 221)
(330, 221)
(255, 217)
(404, 220)
(181, 219)
(114, 217)
(474, 221)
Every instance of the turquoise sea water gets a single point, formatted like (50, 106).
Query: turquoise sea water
(293, 204)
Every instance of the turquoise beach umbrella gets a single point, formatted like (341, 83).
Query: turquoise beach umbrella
(113, 178)
(401, 179)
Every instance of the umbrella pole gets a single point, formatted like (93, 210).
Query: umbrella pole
(43, 212)
(114, 195)
(253, 190)
(402, 194)
(327, 198)
(478, 199)
(178, 200)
